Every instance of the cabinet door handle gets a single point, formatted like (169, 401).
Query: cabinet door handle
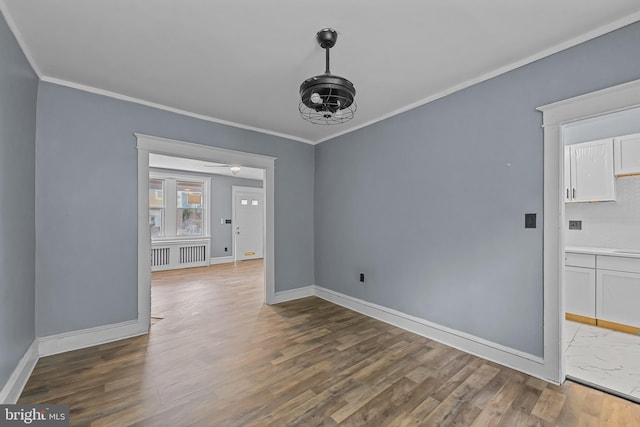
(567, 193)
(574, 193)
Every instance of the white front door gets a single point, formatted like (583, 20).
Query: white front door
(248, 222)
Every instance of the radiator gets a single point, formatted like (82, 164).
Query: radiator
(173, 254)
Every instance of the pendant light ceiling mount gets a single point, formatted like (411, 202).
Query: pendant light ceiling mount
(327, 99)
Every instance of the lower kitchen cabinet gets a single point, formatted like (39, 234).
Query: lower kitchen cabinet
(580, 291)
(618, 297)
(603, 290)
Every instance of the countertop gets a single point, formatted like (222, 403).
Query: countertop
(632, 253)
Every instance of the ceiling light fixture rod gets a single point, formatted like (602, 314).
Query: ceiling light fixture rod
(326, 71)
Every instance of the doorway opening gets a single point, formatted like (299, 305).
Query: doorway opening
(602, 253)
(555, 117)
(147, 145)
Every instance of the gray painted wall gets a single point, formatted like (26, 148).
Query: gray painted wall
(430, 204)
(86, 263)
(18, 94)
(221, 234)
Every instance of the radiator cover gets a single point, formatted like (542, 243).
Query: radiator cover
(174, 254)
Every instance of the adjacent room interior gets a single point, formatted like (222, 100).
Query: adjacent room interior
(201, 214)
(602, 238)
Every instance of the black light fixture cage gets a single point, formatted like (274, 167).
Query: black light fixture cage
(327, 99)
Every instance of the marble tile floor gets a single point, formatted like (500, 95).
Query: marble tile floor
(603, 358)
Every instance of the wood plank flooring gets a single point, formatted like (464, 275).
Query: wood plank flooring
(216, 356)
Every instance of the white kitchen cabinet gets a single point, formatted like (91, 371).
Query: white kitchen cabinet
(618, 297)
(580, 284)
(618, 289)
(580, 291)
(603, 286)
(567, 173)
(591, 173)
(626, 152)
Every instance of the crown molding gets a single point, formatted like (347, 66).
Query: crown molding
(18, 35)
(163, 107)
(615, 25)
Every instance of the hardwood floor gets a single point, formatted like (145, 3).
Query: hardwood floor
(216, 356)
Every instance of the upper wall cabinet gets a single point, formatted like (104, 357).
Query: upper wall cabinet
(627, 154)
(590, 176)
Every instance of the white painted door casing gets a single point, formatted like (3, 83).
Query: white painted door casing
(555, 116)
(152, 144)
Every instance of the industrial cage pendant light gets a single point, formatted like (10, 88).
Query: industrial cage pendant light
(327, 99)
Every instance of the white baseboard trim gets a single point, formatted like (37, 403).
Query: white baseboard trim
(220, 260)
(521, 361)
(293, 294)
(68, 341)
(18, 379)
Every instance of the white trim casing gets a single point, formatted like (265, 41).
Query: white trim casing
(524, 362)
(20, 375)
(144, 241)
(151, 144)
(555, 116)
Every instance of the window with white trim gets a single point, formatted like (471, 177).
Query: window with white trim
(178, 206)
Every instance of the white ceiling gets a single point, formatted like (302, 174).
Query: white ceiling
(242, 61)
(191, 165)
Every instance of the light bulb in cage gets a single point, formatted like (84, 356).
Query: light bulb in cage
(316, 98)
(327, 99)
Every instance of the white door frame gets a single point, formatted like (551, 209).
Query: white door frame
(240, 189)
(555, 116)
(152, 144)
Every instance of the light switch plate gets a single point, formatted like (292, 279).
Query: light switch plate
(530, 220)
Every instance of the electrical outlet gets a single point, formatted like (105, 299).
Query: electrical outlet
(226, 249)
(362, 277)
(575, 225)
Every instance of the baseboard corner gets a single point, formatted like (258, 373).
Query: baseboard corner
(12, 390)
(75, 340)
(220, 260)
(293, 294)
